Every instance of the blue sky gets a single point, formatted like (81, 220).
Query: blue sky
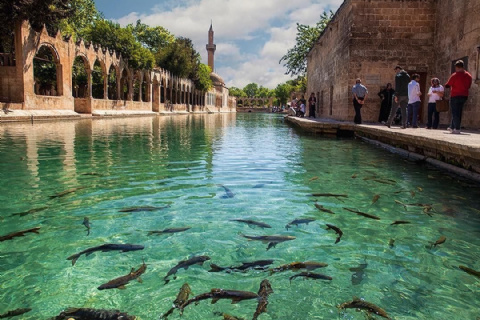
(251, 35)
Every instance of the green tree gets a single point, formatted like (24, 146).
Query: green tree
(152, 38)
(111, 35)
(180, 58)
(296, 58)
(85, 13)
(251, 90)
(299, 84)
(282, 93)
(265, 92)
(236, 92)
(202, 79)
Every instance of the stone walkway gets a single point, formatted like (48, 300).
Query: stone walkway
(28, 115)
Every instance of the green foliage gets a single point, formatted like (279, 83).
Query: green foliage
(202, 79)
(179, 57)
(296, 58)
(299, 84)
(111, 35)
(251, 90)
(84, 15)
(282, 93)
(236, 92)
(152, 38)
(263, 92)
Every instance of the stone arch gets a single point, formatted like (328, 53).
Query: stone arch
(99, 79)
(125, 90)
(80, 76)
(47, 71)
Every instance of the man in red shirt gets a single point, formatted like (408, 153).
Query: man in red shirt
(459, 82)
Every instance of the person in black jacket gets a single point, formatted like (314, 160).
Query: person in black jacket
(387, 98)
(402, 79)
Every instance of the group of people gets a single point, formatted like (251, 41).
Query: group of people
(298, 106)
(407, 97)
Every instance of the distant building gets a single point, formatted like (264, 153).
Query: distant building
(367, 38)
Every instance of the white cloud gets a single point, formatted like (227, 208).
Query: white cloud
(239, 21)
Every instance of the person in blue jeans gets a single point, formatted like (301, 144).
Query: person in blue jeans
(414, 101)
(435, 93)
(459, 82)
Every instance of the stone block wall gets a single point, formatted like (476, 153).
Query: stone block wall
(458, 36)
(11, 86)
(386, 33)
(328, 67)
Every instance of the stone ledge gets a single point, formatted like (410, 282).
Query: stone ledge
(36, 115)
(121, 113)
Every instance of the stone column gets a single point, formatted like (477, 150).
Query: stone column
(89, 83)
(130, 89)
(140, 91)
(59, 80)
(105, 87)
(119, 87)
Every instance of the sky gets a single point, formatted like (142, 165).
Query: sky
(251, 35)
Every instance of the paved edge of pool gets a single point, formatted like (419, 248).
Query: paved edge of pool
(459, 154)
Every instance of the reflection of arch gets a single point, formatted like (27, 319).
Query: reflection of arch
(80, 77)
(47, 71)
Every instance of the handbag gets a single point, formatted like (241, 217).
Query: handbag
(442, 105)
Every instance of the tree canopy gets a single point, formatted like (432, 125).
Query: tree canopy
(295, 60)
(251, 90)
(152, 38)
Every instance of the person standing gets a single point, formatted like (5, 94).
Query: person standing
(435, 93)
(460, 82)
(414, 101)
(401, 96)
(360, 93)
(312, 103)
(293, 105)
(387, 97)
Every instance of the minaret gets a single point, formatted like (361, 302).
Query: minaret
(211, 47)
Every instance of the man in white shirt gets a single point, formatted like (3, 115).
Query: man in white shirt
(414, 101)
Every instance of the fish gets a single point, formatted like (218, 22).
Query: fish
(311, 275)
(400, 222)
(258, 186)
(253, 223)
(330, 195)
(383, 181)
(412, 193)
(354, 176)
(227, 316)
(356, 303)
(182, 297)
(169, 230)
(34, 210)
(185, 264)
(295, 266)
(263, 293)
(313, 179)
(217, 294)
(66, 192)
(271, 240)
(228, 192)
(420, 189)
(426, 207)
(12, 235)
(86, 223)
(458, 197)
(337, 231)
(105, 248)
(367, 215)
(391, 243)
(358, 273)
(93, 314)
(297, 222)
(375, 198)
(470, 271)
(121, 282)
(93, 174)
(143, 209)
(14, 313)
(257, 265)
(440, 240)
(323, 209)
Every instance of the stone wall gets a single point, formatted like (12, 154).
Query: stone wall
(10, 85)
(328, 67)
(458, 36)
(386, 33)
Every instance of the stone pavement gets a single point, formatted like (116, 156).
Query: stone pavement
(461, 150)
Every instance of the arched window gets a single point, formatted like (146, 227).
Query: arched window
(98, 81)
(80, 78)
(112, 83)
(45, 72)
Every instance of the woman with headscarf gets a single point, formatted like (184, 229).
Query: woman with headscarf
(387, 96)
(435, 93)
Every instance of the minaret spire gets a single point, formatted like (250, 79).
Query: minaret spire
(211, 47)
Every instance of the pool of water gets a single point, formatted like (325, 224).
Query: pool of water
(272, 170)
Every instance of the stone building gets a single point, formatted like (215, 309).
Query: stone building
(124, 89)
(367, 38)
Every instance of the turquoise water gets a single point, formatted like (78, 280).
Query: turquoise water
(181, 161)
